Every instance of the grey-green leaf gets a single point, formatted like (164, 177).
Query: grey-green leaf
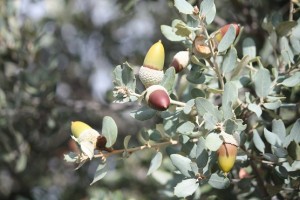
(182, 163)
(168, 79)
(126, 141)
(184, 7)
(279, 128)
(262, 82)
(109, 130)
(213, 141)
(218, 181)
(292, 80)
(101, 171)
(259, 144)
(272, 105)
(169, 33)
(272, 138)
(203, 106)
(227, 40)
(186, 127)
(210, 16)
(71, 157)
(144, 113)
(155, 163)
(249, 48)
(229, 61)
(210, 121)
(186, 187)
(229, 97)
(285, 27)
(255, 108)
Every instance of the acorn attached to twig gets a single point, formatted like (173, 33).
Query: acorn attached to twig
(219, 34)
(227, 152)
(180, 60)
(157, 97)
(151, 73)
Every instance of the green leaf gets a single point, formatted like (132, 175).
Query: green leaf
(255, 108)
(196, 92)
(210, 16)
(168, 79)
(272, 138)
(203, 106)
(227, 40)
(186, 187)
(189, 106)
(229, 61)
(249, 48)
(144, 113)
(170, 34)
(285, 27)
(292, 81)
(259, 144)
(213, 141)
(236, 73)
(196, 75)
(155, 163)
(262, 82)
(206, 6)
(279, 129)
(210, 121)
(183, 164)
(124, 76)
(294, 134)
(109, 130)
(101, 171)
(186, 127)
(218, 181)
(182, 29)
(272, 105)
(280, 152)
(229, 97)
(295, 42)
(286, 50)
(126, 141)
(184, 7)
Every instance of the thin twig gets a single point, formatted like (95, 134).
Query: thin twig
(139, 148)
(291, 12)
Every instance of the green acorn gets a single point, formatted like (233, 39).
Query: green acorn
(157, 97)
(151, 73)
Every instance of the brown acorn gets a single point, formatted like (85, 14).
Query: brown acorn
(180, 60)
(157, 97)
(201, 47)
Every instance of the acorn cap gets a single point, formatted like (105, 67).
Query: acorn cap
(157, 97)
(201, 48)
(155, 57)
(180, 60)
(150, 76)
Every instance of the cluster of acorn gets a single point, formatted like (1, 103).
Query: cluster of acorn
(156, 96)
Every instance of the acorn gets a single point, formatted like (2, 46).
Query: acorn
(85, 136)
(201, 47)
(219, 34)
(157, 97)
(151, 73)
(180, 60)
(227, 153)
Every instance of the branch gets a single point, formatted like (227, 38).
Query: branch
(132, 150)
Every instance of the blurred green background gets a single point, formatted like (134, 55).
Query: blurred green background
(56, 62)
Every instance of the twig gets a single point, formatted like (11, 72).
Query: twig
(131, 150)
(291, 12)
